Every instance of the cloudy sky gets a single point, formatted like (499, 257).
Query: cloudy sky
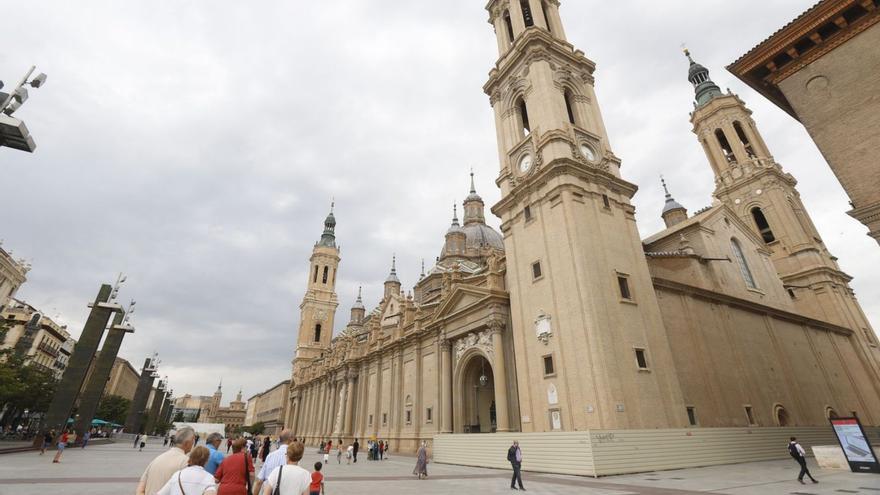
(196, 145)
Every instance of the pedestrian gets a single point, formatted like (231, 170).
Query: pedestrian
(213, 443)
(348, 454)
(62, 442)
(165, 441)
(86, 436)
(421, 468)
(387, 450)
(252, 446)
(799, 454)
(236, 474)
(316, 487)
(193, 478)
(228, 444)
(381, 449)
(354, 449)
(267, 446)
(339, 452)
(326, 449)
(143, 443)
(160, 469)
(275, 459)
(290, 478)
(48, 438)
(514, 456)
(137, 439)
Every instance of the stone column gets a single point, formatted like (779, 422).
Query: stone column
(141, 394)
(516, 18)
(538, 14)
(499, 372)
(94, 390)
(322, 408)
(446, 385)
(349, 404)
(555, 20)
(71, 381)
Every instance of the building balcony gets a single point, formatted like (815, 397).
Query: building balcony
(48, 349)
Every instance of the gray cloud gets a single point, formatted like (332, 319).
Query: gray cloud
(197, 146)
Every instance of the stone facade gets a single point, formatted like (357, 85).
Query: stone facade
(232, 416)
(270, 408)
(44, 342)
(824, 69)
(567, 320)
(12, 275)
(123, 379)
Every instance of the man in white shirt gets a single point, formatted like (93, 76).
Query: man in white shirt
(290, 479)
(159, 471)
(799, 455)
(193, 479)
(275, 459)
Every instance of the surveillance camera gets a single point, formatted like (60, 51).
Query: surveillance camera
(39, 80)
(21, 94)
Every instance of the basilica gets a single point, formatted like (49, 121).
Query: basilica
(568, 319)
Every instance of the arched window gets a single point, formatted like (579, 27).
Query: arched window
(763, 226)
(528, 19)
(725, 146)
(744, 140)
(318, 332)
(324, 278)
(569, 105)
(830, 413)
(782, 418)
(315, 277)
(509, 26)
(523, 116)
(743, 266)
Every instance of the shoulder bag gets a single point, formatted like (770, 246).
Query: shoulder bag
(179, 483)
(278, 482)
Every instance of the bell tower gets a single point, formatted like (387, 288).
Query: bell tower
(750, 181)
(318, 307)
(582, 300)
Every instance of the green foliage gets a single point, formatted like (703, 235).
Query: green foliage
(24, 386)
(178, 418)
(162, 427)
(114, 409)
(256, 429)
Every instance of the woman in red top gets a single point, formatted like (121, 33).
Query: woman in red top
(236, 472)
(62, 442)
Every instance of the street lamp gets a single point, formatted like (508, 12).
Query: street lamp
(13, 133)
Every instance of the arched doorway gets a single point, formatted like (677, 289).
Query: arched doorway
(782, 418)
(475, 398)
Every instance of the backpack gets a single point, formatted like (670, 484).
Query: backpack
(792, 449)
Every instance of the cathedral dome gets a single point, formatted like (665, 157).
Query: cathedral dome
(480, 234)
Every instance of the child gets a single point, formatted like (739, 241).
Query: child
(339, 453)
(317, 485)
(348, 454)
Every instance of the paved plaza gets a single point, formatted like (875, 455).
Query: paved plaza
(114, 470)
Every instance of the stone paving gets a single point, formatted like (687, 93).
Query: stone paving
(114, 469)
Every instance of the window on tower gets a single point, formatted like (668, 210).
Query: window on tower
(315, 277)
(324, 278)
(763, 226)
(527, 13)
(509, 25)
(744, 140)
(523, 116)
(725, 146)
(743, 265)
(569, 106)
(318, 332)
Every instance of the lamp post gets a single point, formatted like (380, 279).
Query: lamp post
(13, 133)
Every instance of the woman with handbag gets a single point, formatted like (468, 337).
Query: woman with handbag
(193, 479)
(236, 473)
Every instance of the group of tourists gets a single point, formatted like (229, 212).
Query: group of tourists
(186, 469)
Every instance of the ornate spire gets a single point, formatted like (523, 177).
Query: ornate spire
(422, 274)
(328, 238)
(671, 204)
(704, 88)
(473, 196)
(359, 303)
(392, 277)
(219, 386)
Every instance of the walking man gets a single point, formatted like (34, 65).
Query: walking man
(277, 458)
(137, 439)
(355, 448)
(799, 454)
(161, 468)
(514, 456)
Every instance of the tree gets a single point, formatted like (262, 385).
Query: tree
(257, 428)
(178, 418)
(24, 385)
(114, 409)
